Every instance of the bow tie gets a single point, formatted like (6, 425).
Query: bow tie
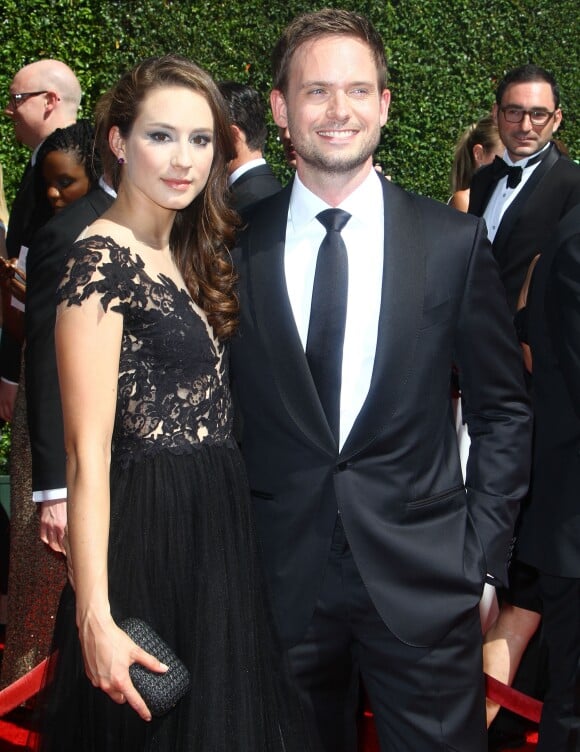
(514, 173)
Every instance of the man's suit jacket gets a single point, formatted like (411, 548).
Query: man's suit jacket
(422, 543)
(44, 267)
(25, 218)
(529, 223)
(252, 186)
(549, 538)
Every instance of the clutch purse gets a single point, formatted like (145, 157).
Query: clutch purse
(161, 692)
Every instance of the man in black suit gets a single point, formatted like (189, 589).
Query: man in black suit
(250, 177)
(44, 266)
(550, 534)
(522, 208)
(44, 95)
(374, 550)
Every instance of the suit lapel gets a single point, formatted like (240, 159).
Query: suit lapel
(276, 325)
(513, 213)
(400, 317)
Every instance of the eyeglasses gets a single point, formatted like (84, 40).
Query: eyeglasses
(516, 115)
(17, 99)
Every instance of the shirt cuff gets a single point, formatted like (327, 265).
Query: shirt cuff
(52, 494)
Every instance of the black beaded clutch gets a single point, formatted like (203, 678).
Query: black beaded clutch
(161, 692)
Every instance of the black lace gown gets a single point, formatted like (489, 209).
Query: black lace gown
(182, 551)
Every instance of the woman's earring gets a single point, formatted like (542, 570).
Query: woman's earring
(121, 160)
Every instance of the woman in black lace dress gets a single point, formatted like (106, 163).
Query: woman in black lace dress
(159, 514)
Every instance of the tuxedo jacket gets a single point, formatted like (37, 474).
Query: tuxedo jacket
(529, 223)
(252, 186)
(549, 538)
(44, 268)
(422, 541)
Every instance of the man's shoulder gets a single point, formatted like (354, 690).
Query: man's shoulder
(429, 208)
(564, 167)
(65, 226)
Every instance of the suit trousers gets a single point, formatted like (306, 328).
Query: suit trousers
(423, 698)
(560, 722)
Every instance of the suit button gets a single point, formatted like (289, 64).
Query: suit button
(341, 466)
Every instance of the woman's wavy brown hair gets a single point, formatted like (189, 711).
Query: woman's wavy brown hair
(203, 232)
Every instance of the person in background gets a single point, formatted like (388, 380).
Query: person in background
(355, 299)
(43, 96)
(478, 145)
(549, 537)
(250, 177)
(3, 216)
(522, 198)
(4, 522)
(66, 168)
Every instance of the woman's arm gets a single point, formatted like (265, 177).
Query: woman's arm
(88, 342)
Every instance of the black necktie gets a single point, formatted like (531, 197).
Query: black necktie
(328, 315)
(514, 173)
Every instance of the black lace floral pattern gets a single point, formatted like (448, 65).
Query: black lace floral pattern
(173, 391)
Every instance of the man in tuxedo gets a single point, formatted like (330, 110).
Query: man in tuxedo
(44, 95)
(374, 550)
(44, 266)
(550, 533)
(523, 196)
(250, 177)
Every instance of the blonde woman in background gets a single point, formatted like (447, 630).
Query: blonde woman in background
(478, 146)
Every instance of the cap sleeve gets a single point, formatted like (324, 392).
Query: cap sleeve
(98, 266)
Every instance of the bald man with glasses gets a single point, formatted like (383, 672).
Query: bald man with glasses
(43, 96)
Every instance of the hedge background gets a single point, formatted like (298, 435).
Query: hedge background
(444, 56)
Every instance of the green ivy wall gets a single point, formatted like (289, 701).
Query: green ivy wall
(445, 57)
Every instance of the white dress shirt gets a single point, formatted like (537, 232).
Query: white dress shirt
(363, 236)
(503, 196)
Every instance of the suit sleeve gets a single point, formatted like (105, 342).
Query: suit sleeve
(496, 406)
(45, 422)
(563, 312)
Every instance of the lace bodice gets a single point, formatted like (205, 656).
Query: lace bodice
(173, 388)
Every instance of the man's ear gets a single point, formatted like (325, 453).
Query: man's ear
(116, 142)
(494, 111)
(238, 134)
(51, 99)
(278, 105)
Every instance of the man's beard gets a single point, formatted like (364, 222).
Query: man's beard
(336, 163)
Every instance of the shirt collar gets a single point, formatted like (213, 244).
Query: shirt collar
(363, 203)
(242, 169)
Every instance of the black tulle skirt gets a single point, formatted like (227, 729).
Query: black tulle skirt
(182, 557)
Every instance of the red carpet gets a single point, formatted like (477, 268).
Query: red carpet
(15, 728)
(15, 723)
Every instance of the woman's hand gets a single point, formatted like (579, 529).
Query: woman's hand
(108, 652)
